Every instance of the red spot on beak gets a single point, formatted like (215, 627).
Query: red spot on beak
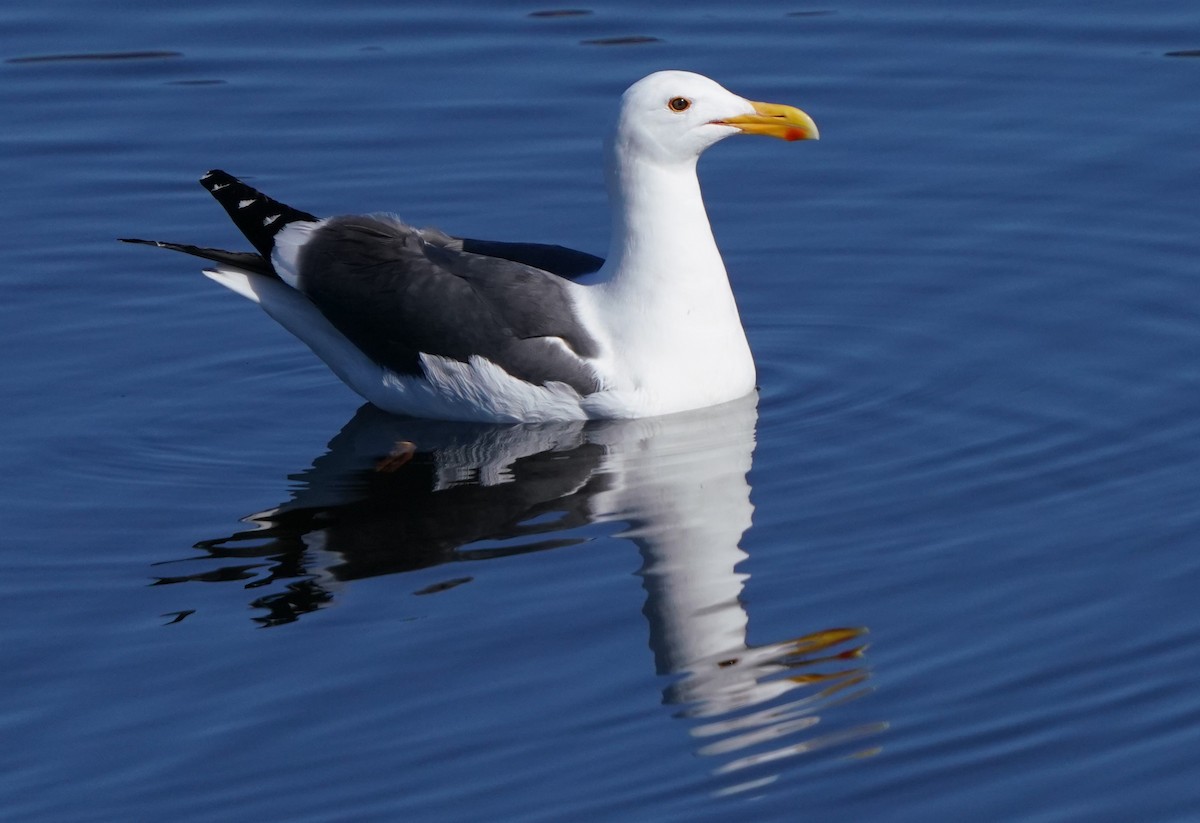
(794, 134)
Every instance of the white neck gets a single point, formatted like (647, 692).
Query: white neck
(674, 329)
(662, 243)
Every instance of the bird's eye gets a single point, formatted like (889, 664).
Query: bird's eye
(679, 104)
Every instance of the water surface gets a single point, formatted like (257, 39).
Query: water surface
(942, 566)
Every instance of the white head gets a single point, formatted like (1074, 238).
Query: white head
(670, 117)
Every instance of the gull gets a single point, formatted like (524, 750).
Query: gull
(424, 324)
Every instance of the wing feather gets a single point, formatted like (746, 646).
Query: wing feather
(397, 295)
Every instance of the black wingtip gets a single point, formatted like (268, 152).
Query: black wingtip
(257, 216)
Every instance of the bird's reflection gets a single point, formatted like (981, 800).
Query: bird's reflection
(394, 495)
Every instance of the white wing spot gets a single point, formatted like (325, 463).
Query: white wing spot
(268, 221)
(244, 203)
(219, 186)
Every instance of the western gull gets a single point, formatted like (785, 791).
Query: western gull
(428, 325)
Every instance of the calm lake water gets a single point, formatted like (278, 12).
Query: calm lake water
(943, 567)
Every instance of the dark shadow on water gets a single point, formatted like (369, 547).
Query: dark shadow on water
(544, 13)
(628, 40)
(393, 495)
(96, 56)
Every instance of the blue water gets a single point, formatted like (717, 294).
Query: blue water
(943, 567)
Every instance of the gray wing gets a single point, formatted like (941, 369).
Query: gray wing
(559, 260)
(397, 292)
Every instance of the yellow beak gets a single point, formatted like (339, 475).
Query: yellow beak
(775, 120)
